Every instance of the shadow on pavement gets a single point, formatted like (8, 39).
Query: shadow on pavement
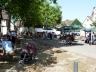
(44, 58)
(57, 43)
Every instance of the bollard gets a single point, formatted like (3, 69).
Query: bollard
(75, 66)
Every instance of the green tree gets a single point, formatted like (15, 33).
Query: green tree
(46, 15)
(31, 12)
(53, 15)
(94, 23)
(15, 8)
(76, 22)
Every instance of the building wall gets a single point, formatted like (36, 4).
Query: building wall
(12, 27)
(3, 27)
(87, 23)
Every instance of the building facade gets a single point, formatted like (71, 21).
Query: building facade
(4, 22)
(94, 14)
(88, 22)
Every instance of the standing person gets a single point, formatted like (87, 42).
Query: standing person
(89, 38)
(49, 35)
(9, 35)
(52, 35)
(43, 37)
(61, 36)
(13, 37)
(46, 35)
(67, 38)
(93, 37)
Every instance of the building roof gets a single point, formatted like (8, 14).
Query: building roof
(68, 22)
(90, 17)
(4, 14)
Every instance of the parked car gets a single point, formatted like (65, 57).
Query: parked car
(48, 30)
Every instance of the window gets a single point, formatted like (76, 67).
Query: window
(84, 24)
(87, 19)
(91, 24)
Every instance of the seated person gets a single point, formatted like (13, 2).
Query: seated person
(7, 46)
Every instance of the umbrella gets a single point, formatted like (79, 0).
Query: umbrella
(86, 29)
(67, 27)
(77, 27)
(93, 29)
(47, 28)
(89, 29)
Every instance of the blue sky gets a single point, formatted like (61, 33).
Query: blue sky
(80, 9)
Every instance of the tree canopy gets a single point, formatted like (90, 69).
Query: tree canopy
(33, 12)
(94, 23)
(53, 16)
(76, 22)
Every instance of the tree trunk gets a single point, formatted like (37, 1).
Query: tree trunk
(0, 19)
(0, 16)
(9, 21)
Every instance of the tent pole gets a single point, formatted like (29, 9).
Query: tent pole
(91, 37)
(85, 34)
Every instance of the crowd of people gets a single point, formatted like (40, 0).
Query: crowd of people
(43, 35)
(67, 38)
(46, 35)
